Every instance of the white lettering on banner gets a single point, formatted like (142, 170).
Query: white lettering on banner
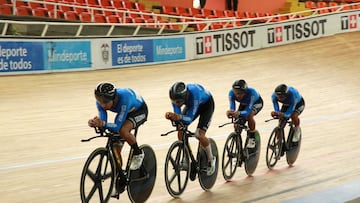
(224, 42)
(66, 57)
(296, 31)
(13, 52)
(168, 50)
(124, 48)
(10, 63)
(131, 59)
(350, 22)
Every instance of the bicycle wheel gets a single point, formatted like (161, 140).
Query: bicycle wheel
(97, 177)
(230, 157)
(177, 169)
(142, 181)
(207, 182)
(294, 148)
(252, 161)
(273, 148)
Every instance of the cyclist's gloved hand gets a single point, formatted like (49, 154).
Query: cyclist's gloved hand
(232, 114)
(274, 114)
(96, 122)
(172, 116)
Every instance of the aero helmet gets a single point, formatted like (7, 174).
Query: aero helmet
(105, 92)
(281, 90)
(240, 86)
(178, 91)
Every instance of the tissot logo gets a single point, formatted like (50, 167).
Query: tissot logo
(204, 45)
(349, 22)
(296, 31)
(224, 42)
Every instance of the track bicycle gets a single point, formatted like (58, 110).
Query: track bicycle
(103, 171)
(181, 164)
(235, 153)
(278, 145)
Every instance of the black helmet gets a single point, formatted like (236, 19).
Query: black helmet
(105, 92)
(240, 86)
(178, 91)
(281, 90)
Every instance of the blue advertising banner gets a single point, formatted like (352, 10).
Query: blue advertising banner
(21, 56)
(127, 52)
(67, 55)
(169, 49)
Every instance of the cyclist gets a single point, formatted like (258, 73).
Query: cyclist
(131, 111)
(251, 104)
(198, 103)
(293, 106)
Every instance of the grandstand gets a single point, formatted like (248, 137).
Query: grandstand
(124, 17)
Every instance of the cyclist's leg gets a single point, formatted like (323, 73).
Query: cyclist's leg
(296, 120)
(256, 108)
(134, 120)
(205, 113)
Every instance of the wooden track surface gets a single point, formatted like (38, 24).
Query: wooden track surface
(44, 117)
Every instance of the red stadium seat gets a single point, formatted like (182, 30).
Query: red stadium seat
(113, 19)
(207, 13)
(106, 3)
(182, 11)
(93, 3)
(41, 12)
(219, 13)
(229, 13)
(169, 10)
(321, 4)
(117, 4)
(65, 8)
(23, 11)
(99, 18)
(140, 6)
(216, 26)
(6, 9)
(85, 17)
(138, 20)
(59, 14)
(71, 16)
(128, 4)
(310, 5)
(333, 4)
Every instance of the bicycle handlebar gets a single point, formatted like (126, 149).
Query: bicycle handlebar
(179, 127)
(233, 120)
(99, 130)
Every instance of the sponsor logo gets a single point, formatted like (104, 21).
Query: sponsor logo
(224, 42)
(105, 52)
(349, 22)
(296, 31)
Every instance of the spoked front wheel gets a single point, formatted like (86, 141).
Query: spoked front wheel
(142, 181)
(177, 169)
(230, 157)
(97, 177)
(273, 148)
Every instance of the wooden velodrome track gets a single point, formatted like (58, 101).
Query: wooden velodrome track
(44, 117)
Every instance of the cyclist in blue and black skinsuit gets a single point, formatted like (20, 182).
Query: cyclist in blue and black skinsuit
(131, 111)
(293, 106)
(251, 104)
(198, 103)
